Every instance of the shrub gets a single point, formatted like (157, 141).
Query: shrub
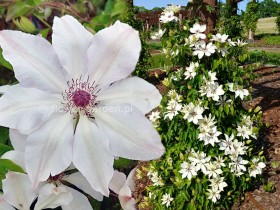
(212, 152)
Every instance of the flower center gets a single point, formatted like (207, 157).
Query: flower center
(81, 98)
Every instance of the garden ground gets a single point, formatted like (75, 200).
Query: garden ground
(266, 93)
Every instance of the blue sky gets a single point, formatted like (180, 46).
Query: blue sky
(149, 4)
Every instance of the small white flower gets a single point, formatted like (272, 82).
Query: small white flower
(192, 113)
(238, 165)
(256, 167)
(200, 161)
(172, 8)
(238, 90)
(218, 183)
(173, 108)
(167, 17)
(198, 30)
(212, 137)
(191, 40)
(166, 199)
(231, 43)
(219, 38)
(238, 148)
(214, 194)
(213, 170)
(158, 35)
(220, 161)
(227, 144)
(223, 51)
(202, 49)
(156, 179)
(187, 170)
(244, 131)
(154, 116)
(207, 123)
(190, 71)
(240, 43)
(214, 91)
(223, 100)
(246, 120)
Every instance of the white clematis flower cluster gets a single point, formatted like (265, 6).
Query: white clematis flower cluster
(75, 108)
(220, 42)
(168, 14)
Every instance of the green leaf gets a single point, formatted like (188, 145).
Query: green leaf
(122, 163)
(6, 166)
(18, 9)
(109, 6)
(4, 135)
(4, 148)
(44, 32)
(3, 62)
(119, 8)
(97, 3)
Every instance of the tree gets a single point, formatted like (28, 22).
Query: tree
(250, 18)
(268, 8)
(229, 20)
(278, 21)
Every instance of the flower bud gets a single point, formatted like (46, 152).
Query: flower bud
(25, 25)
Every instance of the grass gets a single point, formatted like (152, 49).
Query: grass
(265, 57)
(266, 25)
(155, 45)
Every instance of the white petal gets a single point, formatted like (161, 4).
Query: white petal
(15, 156)
(51, 196)
(131, 134)
(117, 182)
(79, 202)
(80, 182)
(18, 140)
(127, 202)
(49, 149)
(34, 61)
(113, 54)
(91, 155)
(26, 109)
(71, 42)
(5, 205)
(18, 190)
(135, 91)
(130, 180)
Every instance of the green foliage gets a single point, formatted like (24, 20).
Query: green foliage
(269, 187)
(264, 57)
(114, 10)
(251, 16)
(228, 23)
(272, 40)
(268, 8)
(159, 61)
(6, 166)
(278, 20)
(144, 61)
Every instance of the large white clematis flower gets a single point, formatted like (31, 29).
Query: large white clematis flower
(52, 193)
(75, 102)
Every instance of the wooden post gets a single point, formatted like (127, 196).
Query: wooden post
(209, 17)
(200, 10)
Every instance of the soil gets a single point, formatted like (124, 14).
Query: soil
(267, 95)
